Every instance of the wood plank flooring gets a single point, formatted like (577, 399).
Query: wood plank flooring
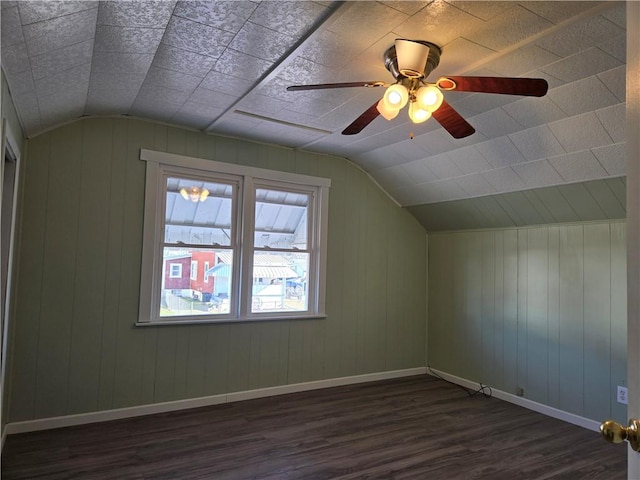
(409, 428)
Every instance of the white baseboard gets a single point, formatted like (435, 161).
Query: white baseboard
(120, 413)
(524, 402)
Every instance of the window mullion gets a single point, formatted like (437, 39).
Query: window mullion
(312, 246)
(246, 246)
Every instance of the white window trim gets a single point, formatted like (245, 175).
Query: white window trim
(194, 271)
(171, 265)
(157, 162)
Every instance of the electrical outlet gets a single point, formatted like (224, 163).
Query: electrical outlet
(520, 391)
(622, 395)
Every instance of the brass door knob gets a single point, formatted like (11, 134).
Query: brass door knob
(616, 433)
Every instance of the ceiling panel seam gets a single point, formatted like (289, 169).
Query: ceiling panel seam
(527, 193)
(319, 25)
(613, 195)
(534, 38)
(571, 203)
(160, 43)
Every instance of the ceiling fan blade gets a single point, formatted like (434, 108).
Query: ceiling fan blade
(323, 86)
(532, 87)
(362, 121)
(452, 122)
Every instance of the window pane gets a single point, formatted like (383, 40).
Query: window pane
(198, 212)
(281, 219)
(189, 289)
(280, 282)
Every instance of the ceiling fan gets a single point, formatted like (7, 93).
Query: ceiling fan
(410, 62)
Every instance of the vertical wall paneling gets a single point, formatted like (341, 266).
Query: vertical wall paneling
(510, 302)
(537, 313)
(225, 150)
(553, 317)
(393, 299)
(217, 358)
(196, 362)
(359, 230)
(254, 356)
(413, 288)
(76, 346)
(239, 357)
(164, 369)
(181, 369)
(522, 311)
(597, 320)
(498, 311)
(487, 311)
(572, 319)
(458, 311)
(551, 302)
(335, 268)
(136, 350)
(113, 254)
(441, 288)
(473, 305)
(375, 284)
(88, 305)
(269, 360)
(59, 273)
(29, 281)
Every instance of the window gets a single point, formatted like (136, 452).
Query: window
(175, 270)
(259, 235)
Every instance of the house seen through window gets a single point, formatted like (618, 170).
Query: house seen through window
(232, 243)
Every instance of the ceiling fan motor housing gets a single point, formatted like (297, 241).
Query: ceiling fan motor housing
(433, 59)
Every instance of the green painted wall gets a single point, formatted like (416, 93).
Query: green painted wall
(75, 347)
(542, 308)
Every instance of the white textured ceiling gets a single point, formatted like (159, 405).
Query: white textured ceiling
(223, 67)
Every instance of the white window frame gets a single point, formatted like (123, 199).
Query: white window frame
(206, 275)
(194, 270)
(179, 274)
(160, 165)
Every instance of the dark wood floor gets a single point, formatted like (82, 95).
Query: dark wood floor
(410, 428)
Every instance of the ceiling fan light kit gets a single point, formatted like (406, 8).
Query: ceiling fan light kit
(194, 193)
(411, 62)
(412, 57)
(388, 113)
(429, 98)
(396, 96)
(417, 114)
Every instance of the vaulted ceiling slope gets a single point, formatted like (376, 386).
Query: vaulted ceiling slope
(223, 67)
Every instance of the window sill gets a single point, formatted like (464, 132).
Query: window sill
(161, 323)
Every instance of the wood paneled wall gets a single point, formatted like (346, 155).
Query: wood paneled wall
(75, 348)
(540, 308)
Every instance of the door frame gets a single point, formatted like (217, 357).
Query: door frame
(633, 224)
(8, 144)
